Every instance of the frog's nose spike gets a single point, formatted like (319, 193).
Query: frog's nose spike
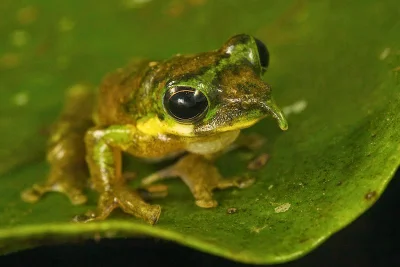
(277, 114)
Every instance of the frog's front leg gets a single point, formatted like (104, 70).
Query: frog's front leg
(201, 176)
(104, 148)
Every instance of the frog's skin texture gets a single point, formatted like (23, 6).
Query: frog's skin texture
(133, 114)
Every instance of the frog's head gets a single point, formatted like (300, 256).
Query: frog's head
(216, 91)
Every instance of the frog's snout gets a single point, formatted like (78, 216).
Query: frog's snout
(277, 113)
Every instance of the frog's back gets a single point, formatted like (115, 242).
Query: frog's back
(116, 90)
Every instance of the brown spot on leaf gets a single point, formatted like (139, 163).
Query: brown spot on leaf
(44, 130)
(370, 195)
(257, 230)
(97, 237)
(42, 48)
(9, 60)
(176, 9)
(27, 15)
(281, 30)
(231, 210)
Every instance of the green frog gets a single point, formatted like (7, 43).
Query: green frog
(189, 106)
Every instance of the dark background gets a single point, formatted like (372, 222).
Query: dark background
(370, 241)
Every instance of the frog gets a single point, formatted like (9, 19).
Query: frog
(191, 107)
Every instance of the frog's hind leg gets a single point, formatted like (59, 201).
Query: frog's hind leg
(201, 176)
(66, 150)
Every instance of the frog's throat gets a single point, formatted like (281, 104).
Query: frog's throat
(217, 143)
(271, 108)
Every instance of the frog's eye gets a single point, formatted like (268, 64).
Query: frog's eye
(185, 104)
(263, 54)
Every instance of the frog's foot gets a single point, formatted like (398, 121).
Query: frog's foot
(201, 176)
(70, 184)
(126, 199)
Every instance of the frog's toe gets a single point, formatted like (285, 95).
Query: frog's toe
(106, 204)
(84, 218)
(239, 182)
(206, 203)
(204, 197)
(151, 214)
(33, 194)
(77, 198)
(131, 202)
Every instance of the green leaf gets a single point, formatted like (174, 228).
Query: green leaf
(335, 67)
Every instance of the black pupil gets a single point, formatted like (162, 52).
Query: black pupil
(263, 54)
(185, 103)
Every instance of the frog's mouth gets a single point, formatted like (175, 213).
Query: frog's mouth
(235, 117)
